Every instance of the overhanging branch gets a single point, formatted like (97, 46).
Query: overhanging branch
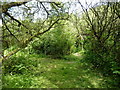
(10, 32)
(5, 7)
(19, 23)
(27, 41)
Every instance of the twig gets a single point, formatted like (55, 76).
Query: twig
(19, 23)
(10, 31)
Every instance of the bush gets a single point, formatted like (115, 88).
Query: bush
(18, 65)
(103, 62)
(56, 43)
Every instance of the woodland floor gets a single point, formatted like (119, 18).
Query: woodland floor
(70, 72)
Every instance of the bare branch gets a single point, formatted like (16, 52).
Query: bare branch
(5, 7)
(10, 32)
(19, 23)
(27, 41)
(89, 21)
(40, 33)
(45, 8)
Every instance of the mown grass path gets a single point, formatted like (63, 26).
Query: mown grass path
(69, 72)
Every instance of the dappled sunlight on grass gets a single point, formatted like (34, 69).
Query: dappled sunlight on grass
(25, 81)
(62, 73)
(45, 72)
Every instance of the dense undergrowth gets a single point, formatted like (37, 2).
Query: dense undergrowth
(41, 71)
(62, 50)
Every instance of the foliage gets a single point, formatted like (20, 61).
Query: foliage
(56, 42)
(18, 64)
(103, 63)
(53, 73)
(99, 28)
(86, 48)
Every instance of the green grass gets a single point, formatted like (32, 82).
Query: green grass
(44, 72)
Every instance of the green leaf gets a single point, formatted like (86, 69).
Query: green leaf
(116, 72)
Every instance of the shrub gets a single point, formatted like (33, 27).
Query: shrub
(18, 65)
(56, 43)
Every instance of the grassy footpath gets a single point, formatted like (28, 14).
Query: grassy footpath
(44, 72)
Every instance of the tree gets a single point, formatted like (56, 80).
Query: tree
(101, 23)
(9, 19)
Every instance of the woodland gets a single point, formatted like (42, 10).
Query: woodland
(45, 44)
